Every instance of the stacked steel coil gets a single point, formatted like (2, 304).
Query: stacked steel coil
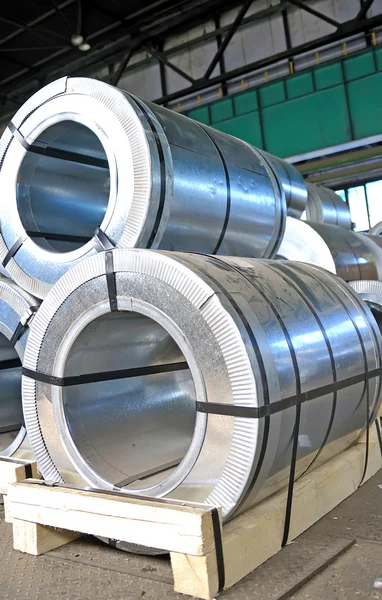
(325, 206)
(17, 308)
(161, 362)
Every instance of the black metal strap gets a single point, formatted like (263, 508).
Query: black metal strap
(292, 471)
(378, 428)
(15, 248)
(103, 376)
(218, 548)
(101, 242)
(23, 325)
(18, 136)
(233, 410)
(110, 280)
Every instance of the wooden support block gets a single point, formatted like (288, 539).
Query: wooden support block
(37, 539)
(253, 537)
(167, 525)
(12, 470)
(7, 516)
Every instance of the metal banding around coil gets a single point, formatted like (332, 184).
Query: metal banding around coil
(156, 178)
(17, 310)
(240, 333)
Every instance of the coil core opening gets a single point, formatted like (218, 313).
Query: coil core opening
(135, 430)
(11, 414)
(63, 187)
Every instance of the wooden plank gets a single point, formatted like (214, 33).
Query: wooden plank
(253, 537)
(12, 470)
(37, 539)
(169, 526)
(7, 516)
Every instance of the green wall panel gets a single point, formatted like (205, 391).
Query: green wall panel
(221, 110)
(308, 110)
(245, 102)
(200, 114)
(365, 105)
(246, 127)
(299, 85)
(305, 124)
(378, 58)
(327, 76)
(359, 66)
(272, 93)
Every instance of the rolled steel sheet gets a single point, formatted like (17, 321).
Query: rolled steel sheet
(16, 307)
(292, 182)
(240, 340)
(81, 154)
(325, 206)
(302, 243)
(377, 229)
(356, 256)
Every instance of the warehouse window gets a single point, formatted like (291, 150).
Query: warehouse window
(365, 203)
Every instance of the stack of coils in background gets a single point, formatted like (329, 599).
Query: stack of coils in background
(167, 358)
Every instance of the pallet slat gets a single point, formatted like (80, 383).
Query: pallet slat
(187, 531)
(253, 537)
(166, 526)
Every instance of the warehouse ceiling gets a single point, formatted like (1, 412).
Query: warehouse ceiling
(41, 38)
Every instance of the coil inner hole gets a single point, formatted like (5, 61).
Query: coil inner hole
(135, 430)
(63, 187)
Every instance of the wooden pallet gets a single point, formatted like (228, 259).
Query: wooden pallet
(46, 517)
(11, 471)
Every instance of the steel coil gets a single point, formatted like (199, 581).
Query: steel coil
(356, 256)
(377, 229)
(16, 309)
(193, 385)
(81, 154)
(292, 182)
(302, 243)
(325, 206)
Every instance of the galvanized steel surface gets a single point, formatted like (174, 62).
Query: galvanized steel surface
(15, 307)
(292, 182)
(245, 332)
(302, 243)
(356, 256)
(325, 206)
(81, 154)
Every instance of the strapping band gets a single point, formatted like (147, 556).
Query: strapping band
(259, 412)
(23, 325)
(101, 242)
(110, 280)
(103, 376)
(15, 248)
(18, 136)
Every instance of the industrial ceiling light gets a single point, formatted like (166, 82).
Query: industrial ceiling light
(84, 47)
(77, 40)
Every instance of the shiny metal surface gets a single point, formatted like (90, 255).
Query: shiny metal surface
(14, 306)
(377, 229)
(302, 243)
(294, 186)
(325, 206)
(356, 256)
(251, 332)
(81, 154)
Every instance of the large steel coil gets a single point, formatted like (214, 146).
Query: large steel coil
(302, 243)
(356, 256)
(81, 154)
(292, 182)
(16, 310)
(187, 375)
(325, 206)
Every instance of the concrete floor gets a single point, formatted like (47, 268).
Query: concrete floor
(339, 558)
